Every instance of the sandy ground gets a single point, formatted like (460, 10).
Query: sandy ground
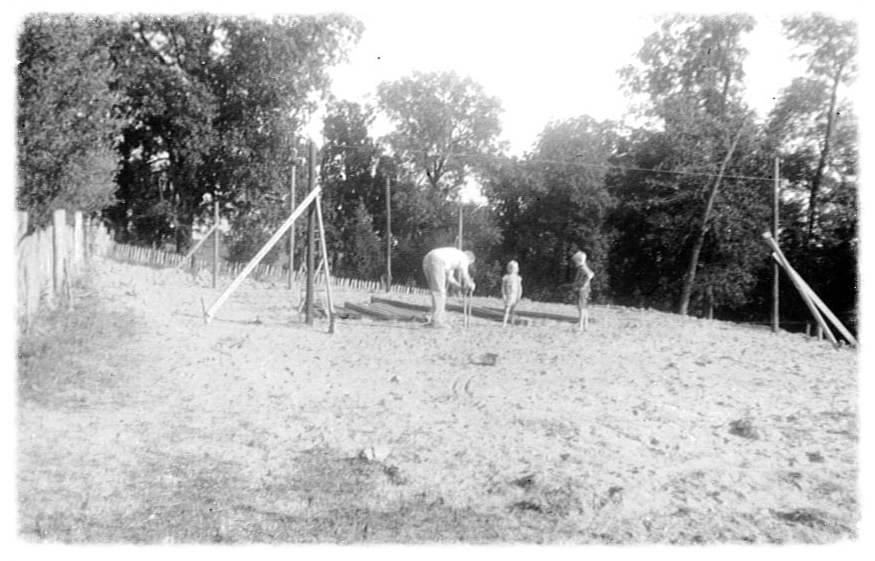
(650, 428)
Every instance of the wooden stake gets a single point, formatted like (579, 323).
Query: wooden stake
(260, 255)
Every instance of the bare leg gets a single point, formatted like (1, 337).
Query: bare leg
(437, 284)
(440, 304)
(506, 315)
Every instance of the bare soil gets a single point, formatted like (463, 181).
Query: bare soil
(138, 423)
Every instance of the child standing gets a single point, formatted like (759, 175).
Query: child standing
(511, 290)
(582, 284)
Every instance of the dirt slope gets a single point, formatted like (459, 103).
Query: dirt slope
(138, 423)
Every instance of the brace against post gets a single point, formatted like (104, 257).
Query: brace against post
(208, 315)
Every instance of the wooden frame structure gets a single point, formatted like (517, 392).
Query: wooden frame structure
(817, 307)
(311, 198)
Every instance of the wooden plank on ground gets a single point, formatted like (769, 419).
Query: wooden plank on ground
(367, 310)
(399, 312)
(540, 315)
(478, 311)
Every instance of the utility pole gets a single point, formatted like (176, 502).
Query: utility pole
(388, 237)
(776, 320)
(292, 229)
(460, 223)
(311, 224)
(216, 239)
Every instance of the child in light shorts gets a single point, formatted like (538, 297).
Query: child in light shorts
(582, 279)
(511, 290)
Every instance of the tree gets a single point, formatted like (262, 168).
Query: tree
(66, 125)
(352, 194)
(810, 109)
(555, 201)
(214, 106)
(443, 125)
(691, 76)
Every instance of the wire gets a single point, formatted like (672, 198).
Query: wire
(579, 164)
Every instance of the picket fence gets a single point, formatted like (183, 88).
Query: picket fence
(48, 260)
(262, 272)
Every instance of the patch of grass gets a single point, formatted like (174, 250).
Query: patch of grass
(56, 360)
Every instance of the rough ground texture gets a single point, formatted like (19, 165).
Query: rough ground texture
(141, 424)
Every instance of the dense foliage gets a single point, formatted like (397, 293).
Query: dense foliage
(148, 120)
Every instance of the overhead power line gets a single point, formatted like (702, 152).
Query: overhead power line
(573, 163)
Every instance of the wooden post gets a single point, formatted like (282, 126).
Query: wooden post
(460, 223)
(260, 255)
(775, 284)
(59, 226)
(292, 229)
(78, 248)
(22, 226)
(216, 240)
(388, 237)
(311, 258)
(330, 304)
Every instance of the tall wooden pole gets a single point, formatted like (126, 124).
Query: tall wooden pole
(460, 224)
(388, 237)
(292, 229)
(311, 224)
(216, 240)
(776, 319)
(328, 297)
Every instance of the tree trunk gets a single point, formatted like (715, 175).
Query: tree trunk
(690, 277)
(821, 163)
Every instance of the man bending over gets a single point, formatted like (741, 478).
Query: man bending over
(440, 266)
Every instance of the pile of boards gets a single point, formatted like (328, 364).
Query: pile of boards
(394, 310)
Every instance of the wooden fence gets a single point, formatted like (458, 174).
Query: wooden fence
(263, 272)
(48, 260)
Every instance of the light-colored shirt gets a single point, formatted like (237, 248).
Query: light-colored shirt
(454, 259)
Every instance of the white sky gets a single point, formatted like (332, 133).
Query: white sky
(543, 60)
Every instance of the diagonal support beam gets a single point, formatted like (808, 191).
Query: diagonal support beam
(814, 303)
(197, 246)
(211, 311)
(778, 256)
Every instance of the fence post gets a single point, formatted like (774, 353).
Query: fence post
(77, 240)
(59, 219)
(22, 225)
